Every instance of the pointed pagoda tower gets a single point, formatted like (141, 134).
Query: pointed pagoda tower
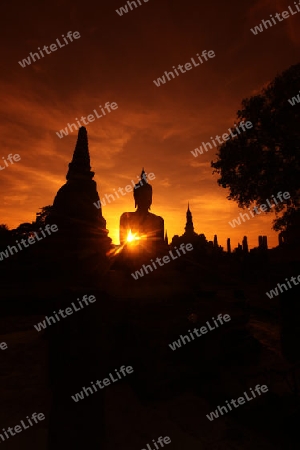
(189, 232)
(166, 238)
(189, 227)
(74, 209)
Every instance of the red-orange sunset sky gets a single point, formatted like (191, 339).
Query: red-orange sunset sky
(116, 59)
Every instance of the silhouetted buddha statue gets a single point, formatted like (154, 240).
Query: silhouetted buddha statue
(141, 223)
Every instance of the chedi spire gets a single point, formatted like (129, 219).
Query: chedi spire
(80, 167)
(73, 207)
(189, 227)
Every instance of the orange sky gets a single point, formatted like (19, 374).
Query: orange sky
(116, 60)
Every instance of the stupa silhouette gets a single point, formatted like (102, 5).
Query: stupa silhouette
(79, 222)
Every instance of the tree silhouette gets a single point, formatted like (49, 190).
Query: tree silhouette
(27, 229)
(4, 230)
(41, 217)
(5, 234)
(265, 159)
(24, 230)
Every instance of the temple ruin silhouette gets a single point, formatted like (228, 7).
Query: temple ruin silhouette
(82, 228)
(73, 203)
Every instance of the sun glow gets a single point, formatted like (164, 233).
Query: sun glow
(132, 237)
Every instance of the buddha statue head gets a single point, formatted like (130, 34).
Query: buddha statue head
(143, 194)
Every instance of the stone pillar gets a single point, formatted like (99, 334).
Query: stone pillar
(245, 245)
(216, 241)
(228, 246)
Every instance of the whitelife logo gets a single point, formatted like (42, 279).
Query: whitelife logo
(16, 157)
(166, 260)
(225, 137)
(18, 428)
(53, 48)
(202, 330)
(90, 118)
(285, 15)
(263, 208)
(124, 9)
(187, 66)
(106, 381)
(128, 188)
(49, 228)
(68, 311)
(274, 293)
(294, 100)
(241, 401)
(160, 441)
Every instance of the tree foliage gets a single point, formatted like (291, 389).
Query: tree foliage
(42, 216)
(265, 159)
(27, 229)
